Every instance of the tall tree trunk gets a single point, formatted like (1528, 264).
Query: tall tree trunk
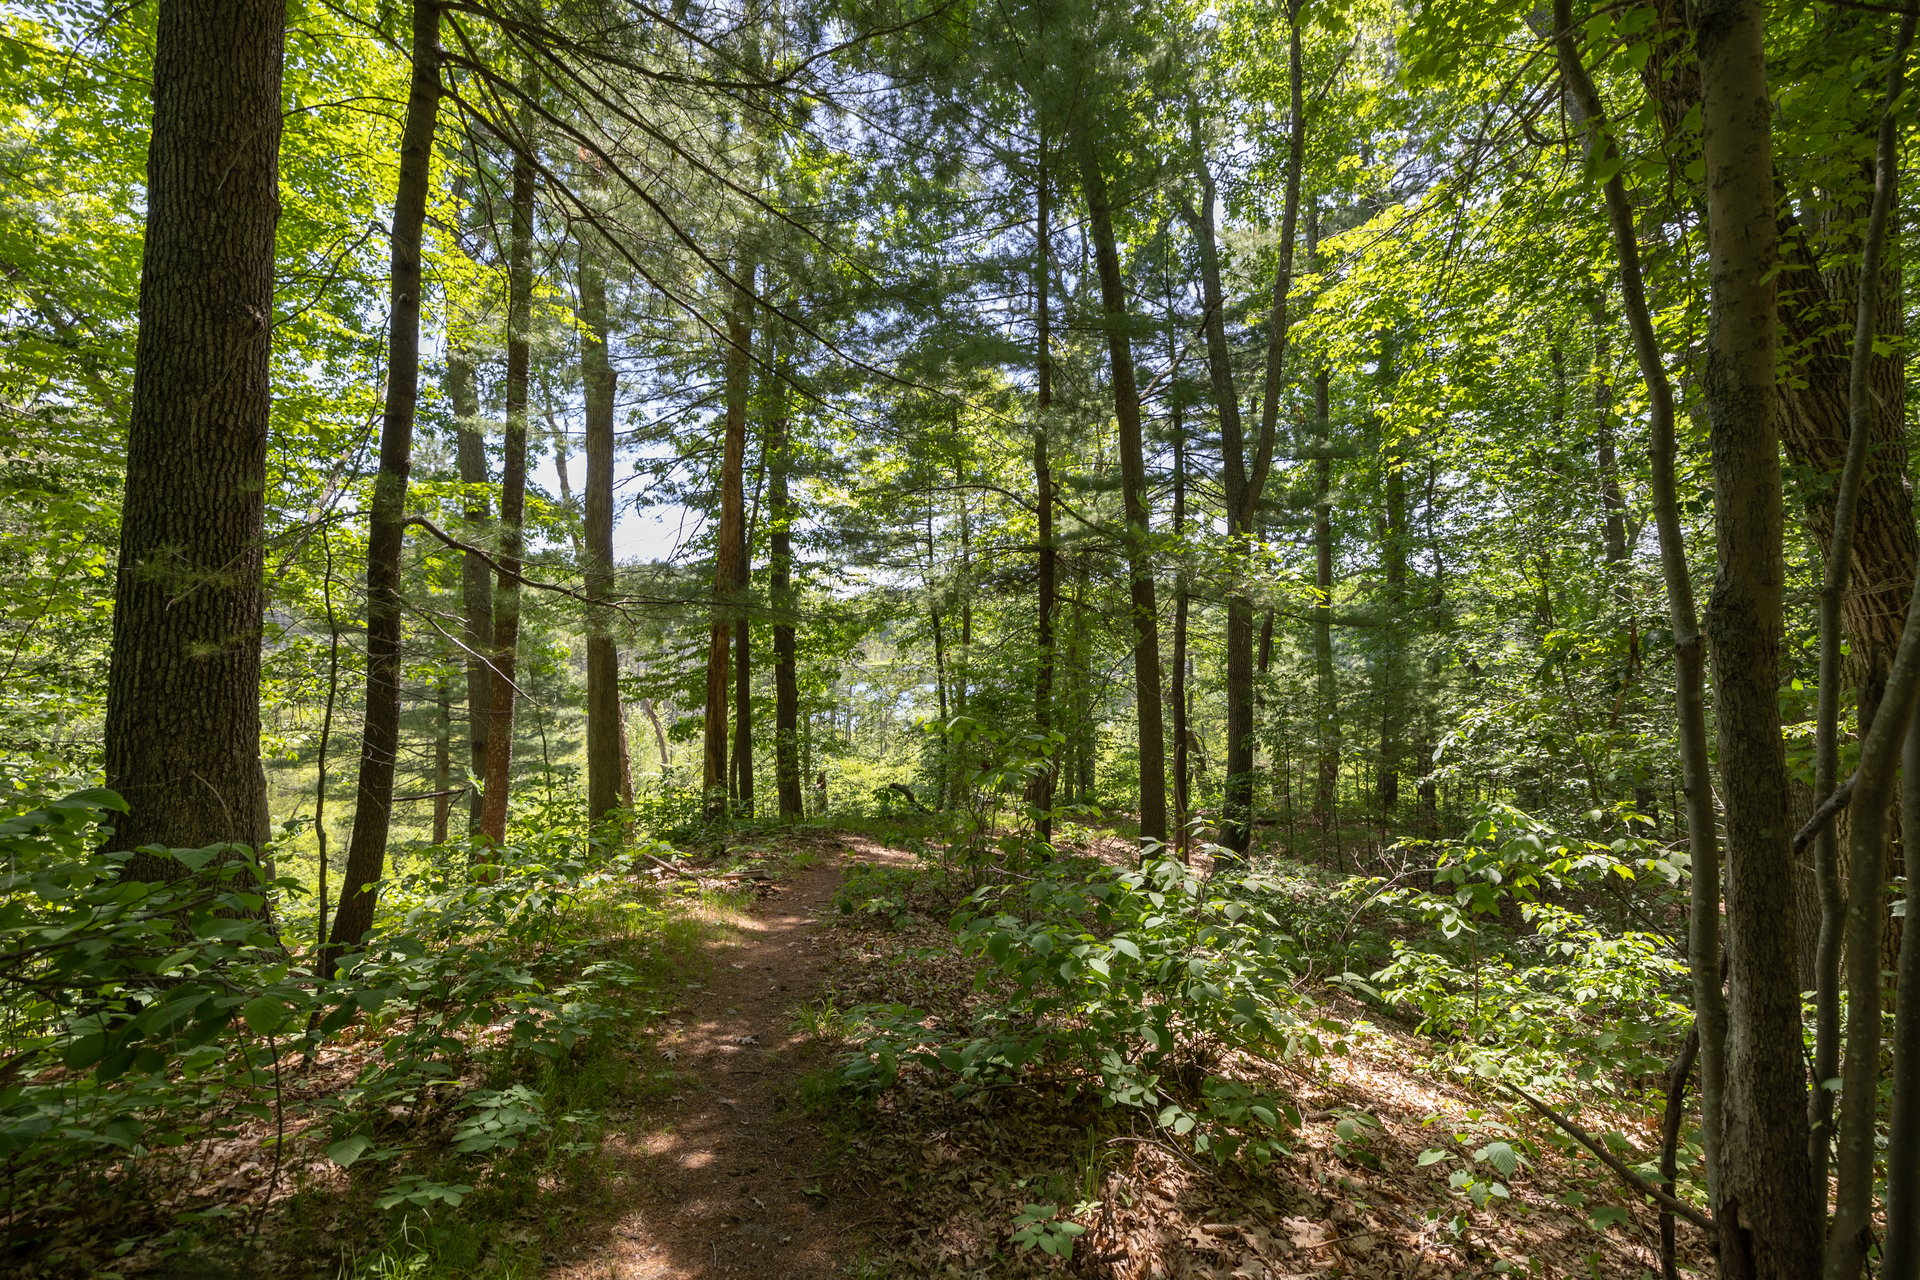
(606, 727)
(1393, 667)
(442, 759)
(1875, 776)
(380, 735)
(1133, 480)
(1864, 591)
(1177, 689)
(1326, 688)
(476, 576)
(1613, 546)
(786, 649)
(1245, 480)
(1703, 933)
(1769, 1205)
(513, 502)
(1900, 1257)
(1047, 560)
(742, 765)
(728, 567)
(183, 685)
(963, 662)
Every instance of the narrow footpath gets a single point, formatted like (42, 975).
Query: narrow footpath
(723, 1176)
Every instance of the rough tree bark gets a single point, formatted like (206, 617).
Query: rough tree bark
(513, 501)
(606, 728)
(380, 736)
(1133, 478)
(728, 566)
(476, 577)
(1769, 1207)
(183, 686)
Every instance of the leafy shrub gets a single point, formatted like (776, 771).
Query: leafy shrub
(122, 997)
(891, 895)
(1518, 982)
(1129, 983)
(143, 1016)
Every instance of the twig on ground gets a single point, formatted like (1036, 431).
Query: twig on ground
(668, 867)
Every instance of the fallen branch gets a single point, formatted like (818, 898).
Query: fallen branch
(1680, 1208)
(668, 867)
(907, 791)
(616, 603)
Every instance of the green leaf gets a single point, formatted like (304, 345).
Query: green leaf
(85, 1051)
(347, 1150)
(1501, 1156)
(264, 1015)
(1606, 1216)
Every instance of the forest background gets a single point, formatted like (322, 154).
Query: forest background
(1460, 449)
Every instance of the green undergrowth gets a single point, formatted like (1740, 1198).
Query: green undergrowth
(180, 1096)
(1175, 1003)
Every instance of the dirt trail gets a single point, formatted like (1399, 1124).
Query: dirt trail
(722, 1178)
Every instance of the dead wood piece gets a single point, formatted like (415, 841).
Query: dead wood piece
(1680, 1208)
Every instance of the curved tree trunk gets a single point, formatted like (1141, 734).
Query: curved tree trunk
(1704, 953)
(476, 577)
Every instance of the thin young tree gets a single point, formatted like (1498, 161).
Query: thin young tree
(781, 515)
(386, 523)
(1046, 555)
(1703, 934)
(505, 649)
(1133, 481)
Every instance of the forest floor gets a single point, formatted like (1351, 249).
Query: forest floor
(758, 1164)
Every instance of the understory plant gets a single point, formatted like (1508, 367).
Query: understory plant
(1137, 985)
(139, 1017)
(1508, 964)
